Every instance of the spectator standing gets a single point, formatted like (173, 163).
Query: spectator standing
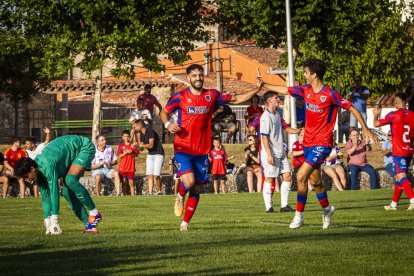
(65, 157)
(149, 99)
(224, 118)
(11, 155)
(273, 155)
(402, 130)
(409, 91)
(141, 113)
(344, 118)
(102, 165)
(357, 160)
(300, 112)
(387, 153)
(218, 159)
(334, 169)
(33, 150)
(192, 141)
(358, 94)
(126, 153)
(252, 160)
(173, 171)
(150, 140)
(253, 110)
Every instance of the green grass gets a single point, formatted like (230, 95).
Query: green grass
(229, 234)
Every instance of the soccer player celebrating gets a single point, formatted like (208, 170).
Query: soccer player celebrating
(192, 141)
(322, 105)
(65, 157)
(402, 131)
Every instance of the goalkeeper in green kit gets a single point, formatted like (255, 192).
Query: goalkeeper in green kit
(65, 157)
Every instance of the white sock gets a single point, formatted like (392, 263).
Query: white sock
(54, 219)
(184, 223)
(327, 208)
(393, 204)
(284, 193)
(93, 212)
(267, 194)
(298, 214)
(412, 201)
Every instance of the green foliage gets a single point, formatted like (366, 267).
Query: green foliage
(229, 234)
(122, 31)
(365, 37)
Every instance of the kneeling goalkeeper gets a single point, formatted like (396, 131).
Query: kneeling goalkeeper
(65, 157)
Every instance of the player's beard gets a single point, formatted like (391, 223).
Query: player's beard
(197, 85)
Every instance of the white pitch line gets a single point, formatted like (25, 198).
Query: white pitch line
(334, 226)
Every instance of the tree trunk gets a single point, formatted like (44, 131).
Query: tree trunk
(16, 118)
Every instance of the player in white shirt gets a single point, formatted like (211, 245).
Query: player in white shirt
(102, 164)
(273, 156)
(33, 150)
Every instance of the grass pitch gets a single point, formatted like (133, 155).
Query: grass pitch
(229, 234)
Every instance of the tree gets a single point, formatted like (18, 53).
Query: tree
(346, 34)
(120, 31)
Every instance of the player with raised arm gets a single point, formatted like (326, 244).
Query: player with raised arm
(192, 141)
(402, 132)
(65, 157)
(322, 105)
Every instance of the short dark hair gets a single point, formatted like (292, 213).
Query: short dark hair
(402, 96)
(255, 97)
(216, 138)
(268, 95)
(97, 137)
(15, 139)
(193, 67)
(147, 85)
(23, 166)
(316, 66)
(125, 132)
(139, 122)
(358, 76)
(30, 139)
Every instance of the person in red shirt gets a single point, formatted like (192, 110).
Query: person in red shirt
(402, 133)
(218, 159)
(11, 155)
(126, 152)
(149, 99)
(322, 105)
(192, 142)
(253, 110)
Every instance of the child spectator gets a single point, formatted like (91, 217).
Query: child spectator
(126, 166)
(218, 159)
(11, 156)
(387, 153)
(173, 171)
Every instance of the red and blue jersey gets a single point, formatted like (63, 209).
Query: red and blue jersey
(321, 111)
(402, 131)
(218, 160)
(194, 117)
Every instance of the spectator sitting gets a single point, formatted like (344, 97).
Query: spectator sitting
(387, 153)
(102, 165)
(357, 160)
(334, 169)
(11, 156)
(149, 99)
(410, 93)
(218, 159)
(253, 110)
(126, 168)
(140, 113)
(358, 94)
(33, 150)
(151, 141)
(224, 118)
(1, 164)
(173, 171)
(253, 164)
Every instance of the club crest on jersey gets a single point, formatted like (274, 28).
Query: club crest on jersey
(189, 101)
(207, 97)
(197, 110)
(178, 165)
(323, 99)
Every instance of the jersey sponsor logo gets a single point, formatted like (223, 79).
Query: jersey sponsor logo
(207, 97)
(403, 162)
(313, 108)
(323, 99)
(218, 156)
(197, 109)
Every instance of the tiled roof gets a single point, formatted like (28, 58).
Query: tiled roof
(111, 85)
(269, 56)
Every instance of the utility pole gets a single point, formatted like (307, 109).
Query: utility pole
(218, 69)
